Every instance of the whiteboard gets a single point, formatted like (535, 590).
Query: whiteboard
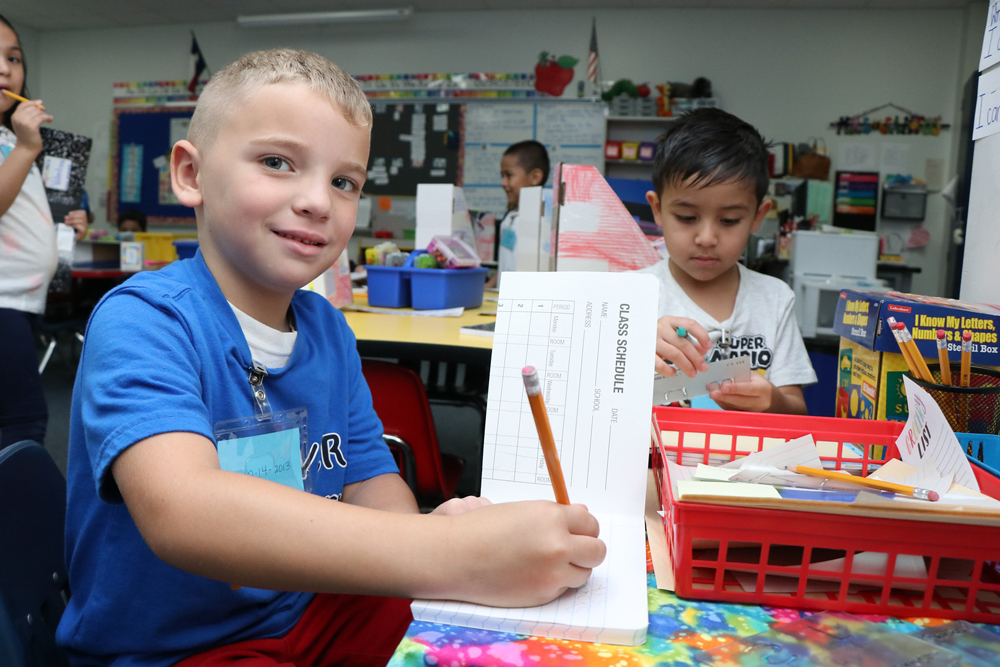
(572, 132)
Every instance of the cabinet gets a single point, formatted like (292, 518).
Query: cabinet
(637, 129)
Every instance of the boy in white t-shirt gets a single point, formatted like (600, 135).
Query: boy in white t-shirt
(711, 175)
(524, 165)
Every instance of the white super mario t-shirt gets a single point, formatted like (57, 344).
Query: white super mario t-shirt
(762, 325)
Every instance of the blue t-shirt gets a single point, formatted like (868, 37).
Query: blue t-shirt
(163, 353)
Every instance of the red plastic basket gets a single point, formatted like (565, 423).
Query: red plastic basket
(714, 547)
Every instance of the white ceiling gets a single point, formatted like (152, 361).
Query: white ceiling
(73, 14)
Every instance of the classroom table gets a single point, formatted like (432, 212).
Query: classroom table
(678, 630)
(400, 336)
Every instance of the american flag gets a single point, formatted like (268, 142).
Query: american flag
(198, 64)
(592, 60)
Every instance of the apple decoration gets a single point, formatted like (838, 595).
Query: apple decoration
(552, 74)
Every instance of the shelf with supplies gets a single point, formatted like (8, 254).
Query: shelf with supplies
(629, 139)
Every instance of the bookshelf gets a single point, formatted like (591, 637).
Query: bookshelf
(638, 129)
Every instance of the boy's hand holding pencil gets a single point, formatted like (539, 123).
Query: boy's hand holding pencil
(682, 342)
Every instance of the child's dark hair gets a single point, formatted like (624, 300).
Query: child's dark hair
(531, 155)
(24, 87)
(132, 214)
(711, 146)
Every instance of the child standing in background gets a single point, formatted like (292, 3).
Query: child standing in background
(524, 164)
(28, 255)
(189, 544)
(710, 176)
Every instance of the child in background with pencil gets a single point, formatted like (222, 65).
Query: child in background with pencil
(710, 176)
(28, 256)
(187, 549)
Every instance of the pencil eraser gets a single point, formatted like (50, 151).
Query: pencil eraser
(941, 334)
(900, 326)
(933, 495)
(527, 370)
(966, 335)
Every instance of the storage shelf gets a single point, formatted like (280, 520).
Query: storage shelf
(641, 119)
(645, 163)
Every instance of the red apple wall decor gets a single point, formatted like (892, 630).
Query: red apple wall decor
(552, 74)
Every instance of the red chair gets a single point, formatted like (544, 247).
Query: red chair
(400, 401)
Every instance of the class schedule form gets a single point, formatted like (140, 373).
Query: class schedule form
(591, 337)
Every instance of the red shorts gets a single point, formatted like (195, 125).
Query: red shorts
(334, 630)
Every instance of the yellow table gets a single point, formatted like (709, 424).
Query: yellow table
(402, 336)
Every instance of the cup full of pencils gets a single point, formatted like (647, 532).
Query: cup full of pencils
(969, 396)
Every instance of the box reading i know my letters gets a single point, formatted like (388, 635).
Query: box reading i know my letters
(592, 338)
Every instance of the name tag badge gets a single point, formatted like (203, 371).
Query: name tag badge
(508, 239)
(269, 447)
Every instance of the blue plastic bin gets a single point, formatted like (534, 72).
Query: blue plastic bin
(186, 248)
(425, 289)
(388, 286)
(434, 289)
(983, 449)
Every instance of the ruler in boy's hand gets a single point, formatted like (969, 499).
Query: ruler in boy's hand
(682, 388)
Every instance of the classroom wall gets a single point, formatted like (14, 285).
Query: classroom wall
(32, 55)
(790, 72)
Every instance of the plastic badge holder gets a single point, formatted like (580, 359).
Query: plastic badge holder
(452, 253)
(709, 544)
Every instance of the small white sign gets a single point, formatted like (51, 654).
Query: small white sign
(991, 38)
(987, 118)
(133, 255)
(55, 173)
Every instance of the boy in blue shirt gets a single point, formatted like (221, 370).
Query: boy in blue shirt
(196, 532)
(710, 174)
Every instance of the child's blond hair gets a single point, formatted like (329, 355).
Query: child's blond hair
(254, 70)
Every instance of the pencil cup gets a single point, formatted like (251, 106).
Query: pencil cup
(972, 409)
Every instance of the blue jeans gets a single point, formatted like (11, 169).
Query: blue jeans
(23, 412)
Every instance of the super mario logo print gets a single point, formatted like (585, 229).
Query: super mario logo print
(754, 347)
(328, 451)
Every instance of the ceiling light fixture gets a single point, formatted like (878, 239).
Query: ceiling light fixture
(306, 18)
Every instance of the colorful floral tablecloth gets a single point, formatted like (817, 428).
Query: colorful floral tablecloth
(678, 629)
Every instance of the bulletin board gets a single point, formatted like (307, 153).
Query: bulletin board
(140, 175)
(573, 131)
(414, 143)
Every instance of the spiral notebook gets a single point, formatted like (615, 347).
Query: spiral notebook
(592, 338)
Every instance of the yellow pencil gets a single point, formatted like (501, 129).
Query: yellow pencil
(918, 359)
(942, 346)
(922, 494)
(966, 358)
(537, 403)
(19, 98)
(891, 322)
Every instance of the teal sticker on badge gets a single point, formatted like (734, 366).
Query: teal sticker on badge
(276, 457)
(508, 239)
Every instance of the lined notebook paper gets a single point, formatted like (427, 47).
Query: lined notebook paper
(592, 338)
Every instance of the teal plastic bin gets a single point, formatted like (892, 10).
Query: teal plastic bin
(982, 449)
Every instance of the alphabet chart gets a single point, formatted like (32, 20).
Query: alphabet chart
(591, 336)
